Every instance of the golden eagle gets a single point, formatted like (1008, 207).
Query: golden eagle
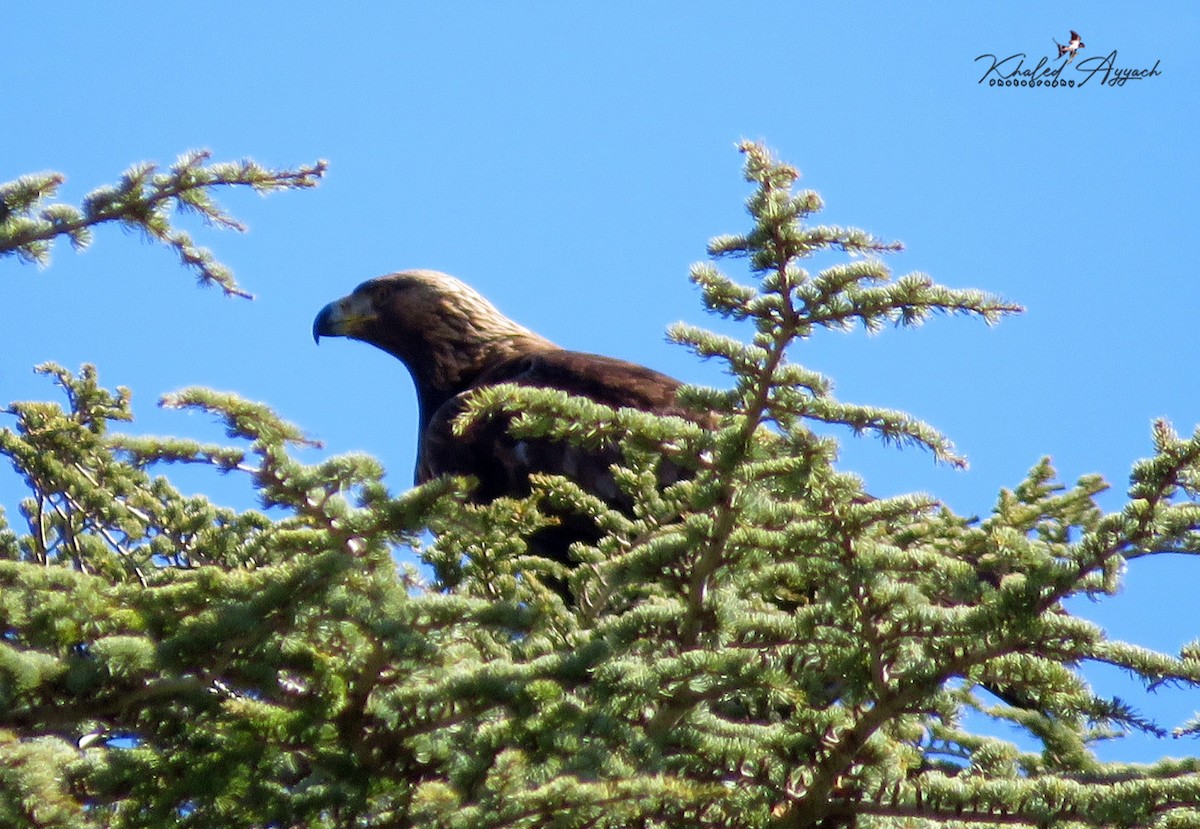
(453, 341)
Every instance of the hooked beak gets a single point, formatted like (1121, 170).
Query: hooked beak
(343, 317)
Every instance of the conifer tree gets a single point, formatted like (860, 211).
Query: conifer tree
(761, 644)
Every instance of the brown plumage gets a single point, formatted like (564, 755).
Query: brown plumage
(453, 341)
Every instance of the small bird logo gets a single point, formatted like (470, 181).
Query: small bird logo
(1073, 45)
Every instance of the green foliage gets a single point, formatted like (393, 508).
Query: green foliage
(758, 644)
(142, 199)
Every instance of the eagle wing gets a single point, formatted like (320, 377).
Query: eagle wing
(502, 464)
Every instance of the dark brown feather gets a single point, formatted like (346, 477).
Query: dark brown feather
(503, 463)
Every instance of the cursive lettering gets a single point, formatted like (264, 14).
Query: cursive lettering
(1114, 75)
(1006, 70)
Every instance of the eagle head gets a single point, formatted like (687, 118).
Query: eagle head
(442, 329)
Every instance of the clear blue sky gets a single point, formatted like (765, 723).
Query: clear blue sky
(571, 161)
